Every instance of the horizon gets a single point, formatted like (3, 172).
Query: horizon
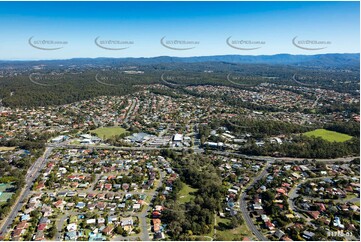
(67, 30)
(167, 56)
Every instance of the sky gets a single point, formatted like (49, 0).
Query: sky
(135, 29)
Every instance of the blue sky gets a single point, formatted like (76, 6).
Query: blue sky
(209, 24)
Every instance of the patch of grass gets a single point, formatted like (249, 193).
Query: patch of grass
(185, 194)
(234, 234)
(222, 220)
(86, 232)
(328, 135)
(108, 132)
(75, 142)
(201, 238)
(4, 148)
(349, 196)
(6, 192)
(237, 233)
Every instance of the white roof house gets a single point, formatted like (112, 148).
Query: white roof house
(71, 227)
(178, 137)
(91, 221)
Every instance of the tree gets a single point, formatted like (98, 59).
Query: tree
(119, 230)
(52, 232)
(234, 222)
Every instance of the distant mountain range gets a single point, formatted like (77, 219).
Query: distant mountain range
(321, 60)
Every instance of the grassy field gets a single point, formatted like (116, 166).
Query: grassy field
(185, 194)
(331, 136)
(5, 195)
(3, 148)
(232, 234)
(108, 132)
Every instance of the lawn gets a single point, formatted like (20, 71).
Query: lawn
(108, 132)
(328, 135)
(4, 148)
(5, 192)
(232, 234)
(185, 194)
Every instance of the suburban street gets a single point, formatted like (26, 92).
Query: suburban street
(243, 204)
(32, 174)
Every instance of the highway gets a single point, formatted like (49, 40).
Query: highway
(140, 148)
(31, 175)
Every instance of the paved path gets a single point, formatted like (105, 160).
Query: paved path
(59, 226)
(143, 215)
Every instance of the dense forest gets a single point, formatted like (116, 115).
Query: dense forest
(305, 147)
(60, 82)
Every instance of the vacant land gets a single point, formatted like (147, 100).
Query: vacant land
(185, 194)
(108, 132)
(328, 135)
(224, 232)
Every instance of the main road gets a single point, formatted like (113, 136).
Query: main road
(32, 174)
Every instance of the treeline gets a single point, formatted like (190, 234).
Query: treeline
(23, 144)
(264, 128)
(257, 128)
(351, 128)
(305, 147)
(19, 91)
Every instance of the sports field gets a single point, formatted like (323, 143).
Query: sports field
(108, 132)
(328, 135)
